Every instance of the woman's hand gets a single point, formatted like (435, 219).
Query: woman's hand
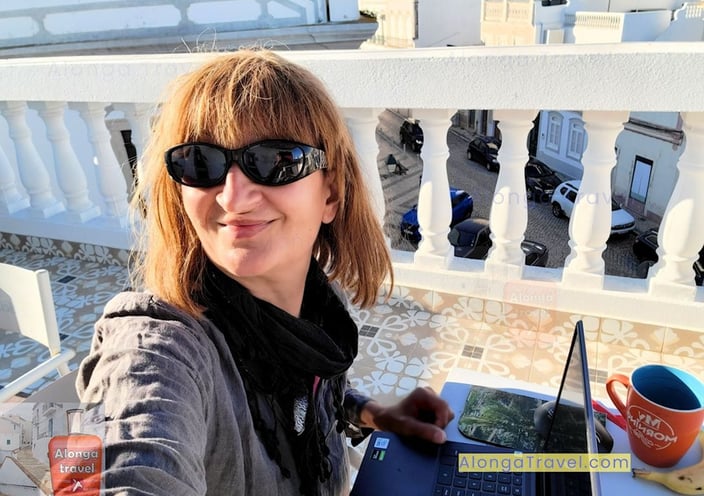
(421, 414)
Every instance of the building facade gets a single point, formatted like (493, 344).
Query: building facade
(650, 144)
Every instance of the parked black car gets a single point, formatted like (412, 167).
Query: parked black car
(471, 239)
(541, 180)
(645, 249)
(484, 150)
(411, 134)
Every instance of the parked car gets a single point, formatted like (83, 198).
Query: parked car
(541, 180)
(484, 150)
(471, 239)
(411, 134)
(563, 201)
(645, 249)
(462, 206)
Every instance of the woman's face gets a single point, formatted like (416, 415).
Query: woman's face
(261, 236)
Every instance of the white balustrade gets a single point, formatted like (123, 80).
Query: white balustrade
(431, 83)
(70, 175)
(362, 124)
(509, 215)
(33, 172)
(434, 207)
(590, 221)
(111, 181)
(681, 233)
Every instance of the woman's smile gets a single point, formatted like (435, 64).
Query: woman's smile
(244, 229)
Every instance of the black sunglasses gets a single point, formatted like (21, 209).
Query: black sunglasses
(268, 162)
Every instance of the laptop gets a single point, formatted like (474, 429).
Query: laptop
(396, 465)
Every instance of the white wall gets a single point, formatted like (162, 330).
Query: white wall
(10, 435)
(456, 23)
(343, 10)
(663, 154)
(631, 5)
(645, 26)
(622, 5)
(687, 25)
(551, 18)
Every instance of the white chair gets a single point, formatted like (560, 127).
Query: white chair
(27, 307)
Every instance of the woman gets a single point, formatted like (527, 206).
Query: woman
(228, 374)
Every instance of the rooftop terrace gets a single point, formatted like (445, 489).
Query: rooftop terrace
(64, 191)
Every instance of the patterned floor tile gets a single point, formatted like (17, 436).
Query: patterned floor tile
(684, 343)
(623, 333)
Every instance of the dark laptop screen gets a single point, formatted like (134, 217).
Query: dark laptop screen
(568, 433)
(572, 428)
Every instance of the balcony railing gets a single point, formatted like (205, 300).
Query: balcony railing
(55, 111)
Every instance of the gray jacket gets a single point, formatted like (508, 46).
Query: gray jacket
(176, 416)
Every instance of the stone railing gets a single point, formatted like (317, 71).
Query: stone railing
(60, 178)
(604, 20)
(72, 21)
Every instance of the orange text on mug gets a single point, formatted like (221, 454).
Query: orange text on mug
(664, 409)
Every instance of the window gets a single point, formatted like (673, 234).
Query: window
(554, 131)
(641, 178)
(575, 146)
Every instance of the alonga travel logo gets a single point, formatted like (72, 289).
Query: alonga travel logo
(76, 464)
(75, 460)
(652, 430)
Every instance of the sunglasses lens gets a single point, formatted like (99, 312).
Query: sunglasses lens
(271, 163)
(274, 162)
(197, 165)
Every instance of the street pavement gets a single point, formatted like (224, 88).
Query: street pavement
(401, 193)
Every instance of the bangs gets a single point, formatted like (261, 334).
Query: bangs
(256, 101)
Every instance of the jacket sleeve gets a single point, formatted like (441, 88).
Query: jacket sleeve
(149, 374)
(354, 401)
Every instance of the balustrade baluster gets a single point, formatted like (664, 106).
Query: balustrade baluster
(111, 181)
(590, 221)
(434, 208)
(509, 214)
(11, 200)
(362, 125)
(69, 172)
(681, 233)
(138, 116)
(32, 170)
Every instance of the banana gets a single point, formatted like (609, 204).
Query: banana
(686, 480)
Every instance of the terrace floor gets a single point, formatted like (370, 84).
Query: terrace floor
(414, 338)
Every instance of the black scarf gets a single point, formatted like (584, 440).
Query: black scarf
(279, 356)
